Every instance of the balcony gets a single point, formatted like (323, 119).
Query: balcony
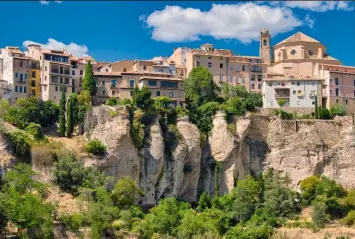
(34, 66)
(282, 95)
(256, 70)
(55, 70)
(113, 85)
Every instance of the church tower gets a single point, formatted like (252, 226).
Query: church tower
(265, 48)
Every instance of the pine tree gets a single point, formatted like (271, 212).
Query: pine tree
(89, 82)
(62, 114)
(72, 111)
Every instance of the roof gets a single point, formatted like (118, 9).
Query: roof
(296, 79)
(340, 66)
(47, 51)
(98, 73)
(298, 37)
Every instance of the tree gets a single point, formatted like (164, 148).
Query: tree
(253, 100)
(112, 102)
(125, 192)
(200, 87)
(338, 109)
(62, 114)
(281, 102)
(84, 98)
(72, 114)
(204, 202)
(235, 105)
(89, 82)
(142, 98)
(50, 111)
(319, 217)
(162, 104)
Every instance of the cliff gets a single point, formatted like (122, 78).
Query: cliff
(249, 145)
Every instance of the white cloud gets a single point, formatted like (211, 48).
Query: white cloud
(235, 21)
(316, 6)
(309, 21)
(73, 48)
(43, 2)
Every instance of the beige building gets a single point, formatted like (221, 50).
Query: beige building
(225, 66)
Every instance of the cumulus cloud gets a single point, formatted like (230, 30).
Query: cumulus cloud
(73, 48)
(47, 2)
(309, 21)
(223, 21)
(316, 6)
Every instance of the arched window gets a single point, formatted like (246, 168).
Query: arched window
(264, 42)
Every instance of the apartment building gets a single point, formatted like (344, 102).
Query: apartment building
(15, 72)
(298, 93)
(34, 78)
(107, 85)
(225, 66)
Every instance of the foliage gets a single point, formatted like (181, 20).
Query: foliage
(204, 116)
(319, 217)
(253, 100)
(35, 130)
(204, 202)
(112, 101)
(308, 188)
(125, 192)
(283, 114)
(229, 91)
(349, 219)
(20, 144)
(235, 105)
(338, 109)
(73, 222)
(126, 101)
(95, 147)
(72, 114)
(84, 98)
(181, 112)
(200, 87)
(4, 107)
(81, 113)
(137, 129)
(50, 111)
(62, 114)
(323, 113)
(217, 169)
(281, 102)
(89, 82)
(162, 104)
(263, 231)
(329, 188)
(142, 98)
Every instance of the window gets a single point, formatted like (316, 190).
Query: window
(81, 72)
(103, 82)
(209, 57)
(336, 92)
(16, 88)
(221, 65)
(65, 89)
(45, 78)
(113, 83)
(231, 78)
(171, 94)
(236, 79)
(103, 92)
(21, 64)
(124, 69)
(337, 101)
(131, 93)
(259, 77)
(354, 82)
(336, 81)
(157, 93)
(61, 80)
(131, 83)
(209, 64)
(220, 77)
(152, 82)
(25, 76)
(21, 77)
(66, 81)
(33, 83)
(33, 74)
(16, 74)
(168, 84)
(259, 86)
(197, 63)
(45, 68)
(294, 92)
(252, 86)
(144, 68)
(293, 52)
(230, 67)
(33, 92)
(56, 88)
(113, 92)
(237, 68)
(346, 102)
(298, 83)
(61, 70)
(73, 72)
(310, 52)
(253, 77)
(24, 89)
(243, 68)
(264, 42)
(20, 89)
(243, 80)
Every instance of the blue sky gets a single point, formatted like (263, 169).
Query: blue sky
(111, 31)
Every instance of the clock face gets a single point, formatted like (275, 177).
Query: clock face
(293, 52)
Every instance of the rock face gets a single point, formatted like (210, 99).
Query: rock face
(247, 146)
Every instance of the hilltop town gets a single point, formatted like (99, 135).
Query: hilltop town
(297, 69)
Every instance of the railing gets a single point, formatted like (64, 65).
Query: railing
(113, 85)
(54, 81)
(256, 70)
(282, 95)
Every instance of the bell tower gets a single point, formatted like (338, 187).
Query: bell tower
(265, 48)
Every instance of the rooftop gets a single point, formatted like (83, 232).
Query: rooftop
(298, 37)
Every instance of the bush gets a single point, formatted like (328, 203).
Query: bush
(126, 101)
(73, 222)
(319, 217)
(125, 192)
(20, 144)
(323, 113)
(181, 112)
(112, 101)
(35, 130)
(338, 110)
(349, 219)
(236, 105)
(253, 100)
(95, 147)
(308, 188)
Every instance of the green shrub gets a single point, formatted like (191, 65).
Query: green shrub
(20, 144)
(349, 219)
(253, 100)
(235, 105)
(338, 110)
(308, 188)
(319, 217)
(35, 130)
(323, 113)
(95, 147)
(73, 222)
(181, 112)
(137, 128)
(112, 101)
(126, 101)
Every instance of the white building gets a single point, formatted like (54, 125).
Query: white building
(298, 93)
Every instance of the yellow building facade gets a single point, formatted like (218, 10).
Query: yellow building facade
(34, 82)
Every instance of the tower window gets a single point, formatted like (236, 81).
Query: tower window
(264, 42)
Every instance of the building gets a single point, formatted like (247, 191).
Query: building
(34, 81)
(15, 72)
(225, 66)
(299, 94)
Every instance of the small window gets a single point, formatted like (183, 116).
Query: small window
(171, 94)
(336, 81)
(243, 68)
(230, 67)
(158, 93)
(354, 82)
(294, 92)
(103, 82)
(73, 72)
(20, 89)
(209, 64)
(33, 74)
(313, 102)
(152, 82)
(16, 74)
(209, 57)
(298, 83)
(310, 52)
(81, 72)
(24, 89)
(293, 52)
(264, 42)
(21, 64)
(56, 88)
(336, 92)
(252, 86)
(337, 100)
(124, 69)
(253, 77)
(103, 92)
(16, 88)
(45, 68)
(346, 102)
(221, 65)
(113, 92)
(45, 78)
(144, 68)
(197, 63)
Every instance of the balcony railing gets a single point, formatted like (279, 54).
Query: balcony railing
(282, 95)
(113, 85)
(256, 70)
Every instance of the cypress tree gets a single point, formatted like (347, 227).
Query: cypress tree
(62, 114)
(89, 82)
(72, 111)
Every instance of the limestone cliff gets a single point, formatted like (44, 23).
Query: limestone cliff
(247, 146)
